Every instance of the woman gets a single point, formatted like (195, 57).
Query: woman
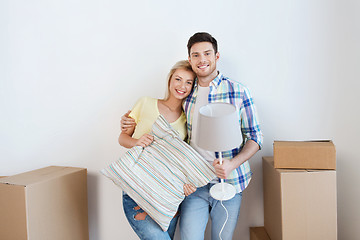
(145, 112)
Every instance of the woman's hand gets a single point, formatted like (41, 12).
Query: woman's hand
(127, 122)
(189, 189)
(145, 140)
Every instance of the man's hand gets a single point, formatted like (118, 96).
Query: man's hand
(189, 189)
(145, 140)
(126, 121)
(223, 170)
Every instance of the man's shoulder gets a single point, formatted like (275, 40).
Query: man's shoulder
(233, 83)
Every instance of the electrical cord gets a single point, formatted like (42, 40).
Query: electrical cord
(227, 217)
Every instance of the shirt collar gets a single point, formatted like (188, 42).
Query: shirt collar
(215, 82)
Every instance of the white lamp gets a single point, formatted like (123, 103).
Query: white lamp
(219, 130)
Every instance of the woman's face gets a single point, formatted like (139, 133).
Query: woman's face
(181, 83)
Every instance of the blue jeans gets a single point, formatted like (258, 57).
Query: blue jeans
(146, 229)
(195, 211)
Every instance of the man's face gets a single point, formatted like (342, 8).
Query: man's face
(203, 60)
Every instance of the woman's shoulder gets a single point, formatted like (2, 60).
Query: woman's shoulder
(145, 100)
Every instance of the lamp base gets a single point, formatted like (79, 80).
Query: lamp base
(219, 193)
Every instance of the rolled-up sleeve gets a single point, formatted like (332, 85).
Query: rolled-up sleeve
(250, 125)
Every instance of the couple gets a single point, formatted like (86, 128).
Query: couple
(192, 84)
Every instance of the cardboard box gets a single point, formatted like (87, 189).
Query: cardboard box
(305, 155)
(48, 203)
(299, 204)
(258, 233)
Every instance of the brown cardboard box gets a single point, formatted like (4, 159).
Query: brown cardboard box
(305, 154)
(48, 203)
(299, 204)
(258, 233)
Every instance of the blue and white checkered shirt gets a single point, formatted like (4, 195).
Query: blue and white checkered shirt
(222, 89)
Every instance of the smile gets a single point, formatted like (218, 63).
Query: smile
(203, 66)
(180, 92)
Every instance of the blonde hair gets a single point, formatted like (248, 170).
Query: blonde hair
(182, 64)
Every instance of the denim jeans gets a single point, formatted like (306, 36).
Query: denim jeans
(146, 229)
(195, 211)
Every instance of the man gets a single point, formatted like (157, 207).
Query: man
(213, 86)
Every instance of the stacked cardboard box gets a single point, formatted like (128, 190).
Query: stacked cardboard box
(305, 155)
(300, 202)
(48, 203)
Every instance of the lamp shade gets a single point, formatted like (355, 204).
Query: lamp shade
(218, 127)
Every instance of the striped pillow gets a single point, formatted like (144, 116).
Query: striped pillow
(154, 176)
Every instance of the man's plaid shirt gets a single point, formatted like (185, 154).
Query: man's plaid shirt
(222, 89)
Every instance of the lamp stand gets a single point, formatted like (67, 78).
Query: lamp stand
(222, 191)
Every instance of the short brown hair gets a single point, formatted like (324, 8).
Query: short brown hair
(202, 37)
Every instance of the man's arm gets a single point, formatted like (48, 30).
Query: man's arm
(127, 122)
(250, 129)
(127, 129)
(223, 170)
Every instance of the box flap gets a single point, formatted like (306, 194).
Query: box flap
(39, 175)
(314, 143)
(318, 140)
(258, 233)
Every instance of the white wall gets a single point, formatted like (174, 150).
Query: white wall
(69, 69)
